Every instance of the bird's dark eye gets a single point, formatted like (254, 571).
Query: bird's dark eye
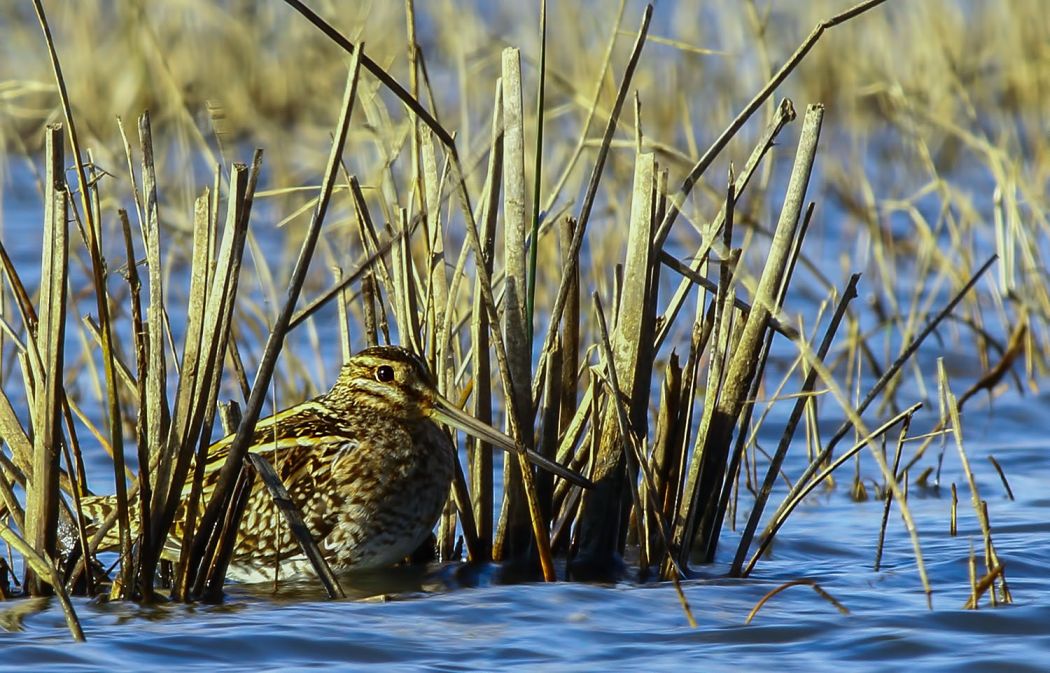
(384, 373)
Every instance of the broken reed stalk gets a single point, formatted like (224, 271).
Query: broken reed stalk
(158, 418)
(513, 532)
(46, 355)
(993, 564)
(602, 522)
(707, 470)
(240, 445)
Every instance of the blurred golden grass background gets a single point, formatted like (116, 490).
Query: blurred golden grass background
(942, 96)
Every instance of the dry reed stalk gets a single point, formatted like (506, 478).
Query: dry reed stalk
(991, 557)
(777, 461)
(485, 285)
(785, 114)
(513, 533)
(46, 572)
(794, 583)
(440, 302)
(46, 349)
(479, 453)
(573, 253)
(639, 477)
(602, 524)
(707, 471)
(221, 496)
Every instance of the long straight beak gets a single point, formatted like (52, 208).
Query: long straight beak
(451, 415)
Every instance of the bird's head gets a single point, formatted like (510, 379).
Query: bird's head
(398, 384)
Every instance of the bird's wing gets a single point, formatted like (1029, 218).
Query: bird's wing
(308, 424)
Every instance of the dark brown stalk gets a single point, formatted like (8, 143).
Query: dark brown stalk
(888, 495)
(296, 524)
(777, 460)
(666, 436)
(548, 440)
(479, 453)
(570, 327)
(225, 539)
(792, 500)
(127, 581)
(874, 391)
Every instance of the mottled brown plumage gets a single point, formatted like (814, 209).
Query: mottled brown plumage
(365, 463)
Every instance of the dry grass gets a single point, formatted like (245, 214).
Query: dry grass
(551, 278)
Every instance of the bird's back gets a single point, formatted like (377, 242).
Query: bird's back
(370, 488)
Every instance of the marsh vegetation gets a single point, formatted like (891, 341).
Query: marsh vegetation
(635, 239)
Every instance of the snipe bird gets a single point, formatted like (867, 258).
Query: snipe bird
(366, 463)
